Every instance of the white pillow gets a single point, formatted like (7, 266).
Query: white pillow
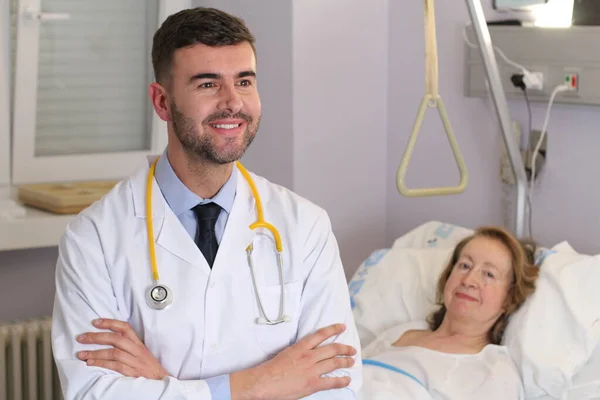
(555, 333)
(398, 285)
(550, 338)
(398, 289)
(586, 384)
(433, 234)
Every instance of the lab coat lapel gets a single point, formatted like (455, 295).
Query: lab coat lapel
(175, 239)
(168, 231)
(237, 235)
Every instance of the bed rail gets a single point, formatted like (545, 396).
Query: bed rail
(499, 99)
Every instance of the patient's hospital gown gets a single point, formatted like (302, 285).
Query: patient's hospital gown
(489, 374)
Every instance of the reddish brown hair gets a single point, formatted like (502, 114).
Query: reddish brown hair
(522, 286)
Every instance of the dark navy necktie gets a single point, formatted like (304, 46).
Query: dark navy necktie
(206, 238)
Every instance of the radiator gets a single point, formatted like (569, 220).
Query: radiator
(27, 369)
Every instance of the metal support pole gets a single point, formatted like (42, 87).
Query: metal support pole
(499, 98)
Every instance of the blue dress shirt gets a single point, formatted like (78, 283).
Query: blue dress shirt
(182, 200)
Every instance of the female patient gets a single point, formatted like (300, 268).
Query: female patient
(456, 354)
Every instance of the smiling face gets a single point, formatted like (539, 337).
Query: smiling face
(478, 286)
(211, 101)
(214, 102)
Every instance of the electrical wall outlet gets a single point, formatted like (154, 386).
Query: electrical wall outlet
(551, 51)
(572, 80)
(534, 81)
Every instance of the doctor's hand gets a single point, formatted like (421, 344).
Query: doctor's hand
(297, 371)
(129, 356)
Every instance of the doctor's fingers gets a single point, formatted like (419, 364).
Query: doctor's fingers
(333, 350)
(95, 357)
(332, 383)
(112, 339)
(117, 326)
(333, 364)
(315, 339)
(116, 366)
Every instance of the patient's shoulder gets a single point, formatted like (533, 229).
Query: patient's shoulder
(412, 337)
(390, 335)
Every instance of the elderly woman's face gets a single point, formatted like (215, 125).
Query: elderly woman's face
(478, 286)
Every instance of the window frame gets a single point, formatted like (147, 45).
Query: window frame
(26, 167)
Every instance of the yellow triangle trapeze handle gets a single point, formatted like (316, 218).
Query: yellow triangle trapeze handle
(432, 99)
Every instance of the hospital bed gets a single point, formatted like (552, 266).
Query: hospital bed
(554, 339)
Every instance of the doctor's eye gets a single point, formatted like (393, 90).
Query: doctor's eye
(207, 85)
(246, 83)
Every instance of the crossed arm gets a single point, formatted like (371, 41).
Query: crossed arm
(313, 366)
(296, 372)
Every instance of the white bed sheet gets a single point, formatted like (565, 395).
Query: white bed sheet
(383, 384)
(423, 242)
(415, 373)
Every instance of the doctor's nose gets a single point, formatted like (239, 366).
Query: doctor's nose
(230, 100)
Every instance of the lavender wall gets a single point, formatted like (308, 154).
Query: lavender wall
(559, 213)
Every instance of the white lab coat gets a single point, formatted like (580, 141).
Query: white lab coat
(104, 271)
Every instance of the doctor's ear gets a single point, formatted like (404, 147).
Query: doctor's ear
(159, 98)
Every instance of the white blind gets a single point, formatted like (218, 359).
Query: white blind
(94, 71)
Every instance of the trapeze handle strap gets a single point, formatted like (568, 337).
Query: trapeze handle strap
(431, 99)
(431, 57)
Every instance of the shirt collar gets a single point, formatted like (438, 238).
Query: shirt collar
(181, 199)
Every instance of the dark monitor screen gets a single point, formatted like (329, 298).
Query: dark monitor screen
(516, 4)
(586, 12)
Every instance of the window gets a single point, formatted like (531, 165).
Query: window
(555, 14)
(82, 68)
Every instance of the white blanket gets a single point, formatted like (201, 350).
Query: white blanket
(416, 373)
(384, 384)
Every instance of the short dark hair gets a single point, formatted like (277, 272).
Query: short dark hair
(185, 28)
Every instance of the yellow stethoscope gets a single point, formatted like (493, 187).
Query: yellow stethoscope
(159, 296)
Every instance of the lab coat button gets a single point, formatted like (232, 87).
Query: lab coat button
(213, 347)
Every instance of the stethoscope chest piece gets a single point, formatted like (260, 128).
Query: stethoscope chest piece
(159, 296)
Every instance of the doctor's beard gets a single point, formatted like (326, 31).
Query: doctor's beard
(199, 144)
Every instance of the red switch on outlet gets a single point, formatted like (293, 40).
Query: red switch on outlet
(572, 80)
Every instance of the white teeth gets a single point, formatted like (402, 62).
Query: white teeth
(226, 126)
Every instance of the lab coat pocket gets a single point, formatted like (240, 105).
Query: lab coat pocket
(273, 338)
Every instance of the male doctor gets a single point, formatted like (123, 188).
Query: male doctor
(111, 341)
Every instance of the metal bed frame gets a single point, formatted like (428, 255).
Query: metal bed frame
(500, 104)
